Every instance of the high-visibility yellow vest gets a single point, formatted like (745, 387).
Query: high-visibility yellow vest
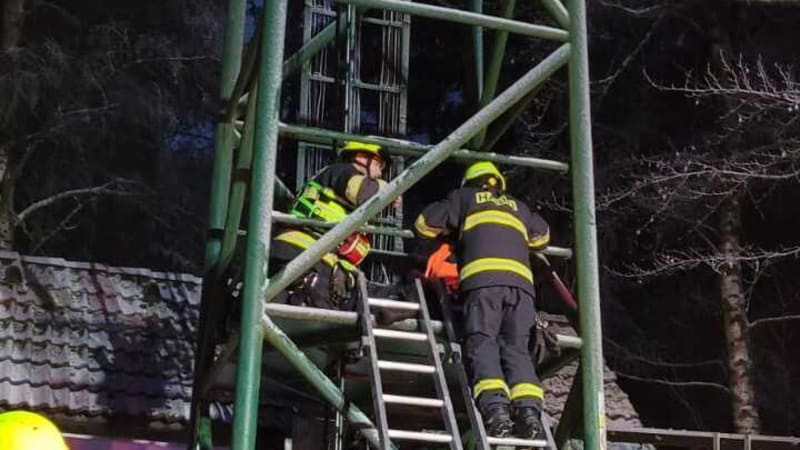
(321, 203)
(318, 202)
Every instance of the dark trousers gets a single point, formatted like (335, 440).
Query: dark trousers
(323, 286)
(310, 289)
(498, 323)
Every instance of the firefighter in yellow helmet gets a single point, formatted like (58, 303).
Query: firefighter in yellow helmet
(329, 196)
(23, 430)
(494, 233)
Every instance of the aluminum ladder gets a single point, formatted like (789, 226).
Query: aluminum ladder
(450, 437)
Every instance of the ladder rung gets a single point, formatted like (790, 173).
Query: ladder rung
(414, 401)
(420, 436)
(406, 367)
(394, 304)
(517, 442)
(403, 335)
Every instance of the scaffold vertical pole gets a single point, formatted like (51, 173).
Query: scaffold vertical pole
(218, 205)
(495, 66)
(223, 158)
(585, 230)
(248, 375)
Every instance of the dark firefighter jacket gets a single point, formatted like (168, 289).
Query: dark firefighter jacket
(352, 187)
(494, 233)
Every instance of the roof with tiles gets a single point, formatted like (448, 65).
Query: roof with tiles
(90, 340)
(94, 340)
(620, 412)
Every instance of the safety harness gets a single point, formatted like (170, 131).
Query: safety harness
(319, 202)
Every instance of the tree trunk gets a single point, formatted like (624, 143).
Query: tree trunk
(11, 32)
(13, 15)
(7, 221)
(734, 314)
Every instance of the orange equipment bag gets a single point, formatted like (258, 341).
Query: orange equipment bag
(355, 248)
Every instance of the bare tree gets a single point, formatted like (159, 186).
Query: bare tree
(12, 21)
(98, 115)
(700, 191)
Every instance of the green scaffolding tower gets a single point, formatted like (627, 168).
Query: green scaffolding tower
(245, 172)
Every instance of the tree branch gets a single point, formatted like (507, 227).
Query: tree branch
(766, 320)
(631, 356)
(105, 189)
(666, 263)
(675, 383)
(61, 225)
(609, 80)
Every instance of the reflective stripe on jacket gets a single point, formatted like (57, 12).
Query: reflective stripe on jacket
(495, 233)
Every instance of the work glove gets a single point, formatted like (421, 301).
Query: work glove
(342, 284)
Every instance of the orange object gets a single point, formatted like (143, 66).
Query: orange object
(355, 248)
(439, 266)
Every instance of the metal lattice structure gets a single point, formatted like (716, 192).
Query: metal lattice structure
(386, 93)
(245, 171)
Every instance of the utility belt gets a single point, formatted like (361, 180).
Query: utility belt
(326, 290)
(318, 202)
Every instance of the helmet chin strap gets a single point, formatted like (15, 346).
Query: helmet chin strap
(366, 165)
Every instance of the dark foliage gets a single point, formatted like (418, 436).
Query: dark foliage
(117, 98)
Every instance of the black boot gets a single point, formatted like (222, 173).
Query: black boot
(528, 423)
(497, 420)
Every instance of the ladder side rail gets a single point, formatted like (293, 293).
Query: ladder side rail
(548, 432)
(440, 382)
(368, 343)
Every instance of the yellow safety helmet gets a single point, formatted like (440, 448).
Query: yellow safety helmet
(23, 430)
(483, 168)
(360, 147)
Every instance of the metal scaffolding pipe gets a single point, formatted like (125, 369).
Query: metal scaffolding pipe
(465, 17)
(495, 65)
(585, 231)
(281, 217)
(571, 413)
(290, 65)
(350, 318)
(262, 189)
(502, 124)
(557, 10)
(223, 143)
(476, 6)
(309, 49)
(244, 161)
(334, 317)
(292, 220)
(413, 149)
(416, 171)
(278, 339)
(244, 80)
(218, 207)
